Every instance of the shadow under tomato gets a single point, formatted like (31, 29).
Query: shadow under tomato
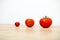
(46, 31)
(29, 30)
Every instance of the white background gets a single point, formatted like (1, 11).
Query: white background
(19, 10)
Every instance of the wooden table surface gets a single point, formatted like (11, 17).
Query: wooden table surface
(10, 32)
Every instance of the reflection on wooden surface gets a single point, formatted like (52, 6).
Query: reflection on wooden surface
(10, 32)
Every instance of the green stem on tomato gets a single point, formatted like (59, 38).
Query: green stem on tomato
(45, 17)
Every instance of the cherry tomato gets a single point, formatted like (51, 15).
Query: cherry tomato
(17, 24)
(29, 22)
(45, 22)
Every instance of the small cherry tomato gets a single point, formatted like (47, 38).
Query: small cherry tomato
(29, 22)
(45, 22)
(17, 24)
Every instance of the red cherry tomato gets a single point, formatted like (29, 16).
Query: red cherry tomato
(45, 22)
(17, 24)
(29, 22)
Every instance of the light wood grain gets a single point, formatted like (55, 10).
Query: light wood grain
(10, 32)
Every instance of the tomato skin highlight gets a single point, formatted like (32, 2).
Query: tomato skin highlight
(29, 22)
(17, 24)
(45, 22)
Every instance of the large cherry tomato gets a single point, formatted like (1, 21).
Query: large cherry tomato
(29, 22)
(45, 22)
(17, 24)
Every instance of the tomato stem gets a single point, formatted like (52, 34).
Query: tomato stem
(45, 16)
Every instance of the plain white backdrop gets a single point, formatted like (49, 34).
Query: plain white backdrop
(19, 10)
